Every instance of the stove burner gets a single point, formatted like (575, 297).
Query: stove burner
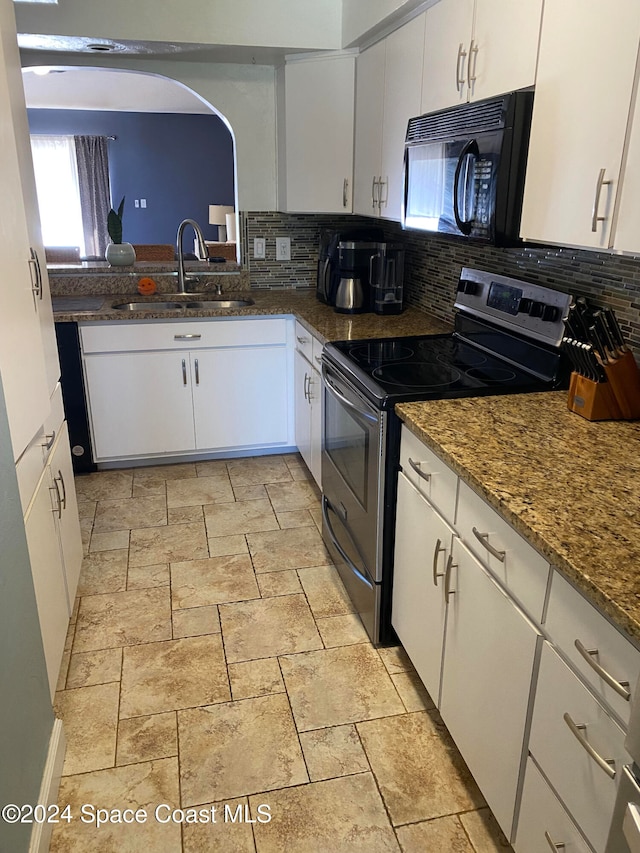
(381, 352)
(464, 360)
(417, 374)
(491, 374)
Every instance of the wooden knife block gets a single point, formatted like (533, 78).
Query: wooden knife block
(614, 400)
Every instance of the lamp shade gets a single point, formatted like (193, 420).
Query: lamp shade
(218, 213)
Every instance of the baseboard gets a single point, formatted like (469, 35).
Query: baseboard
(41, 834)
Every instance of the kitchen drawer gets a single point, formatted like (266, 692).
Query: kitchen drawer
(523, 571)
(127, 336)
(29, 466)
(435, 480)
(56, 416)
(587, 791)
(543, 823)
(304, 342)
(317, 348)
(572, 619)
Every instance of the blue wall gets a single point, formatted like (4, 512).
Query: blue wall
(179, 163)
(26, 716)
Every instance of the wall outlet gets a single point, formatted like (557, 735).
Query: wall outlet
(143, 202)
(259, 248)
(136, 203)
(283, 248)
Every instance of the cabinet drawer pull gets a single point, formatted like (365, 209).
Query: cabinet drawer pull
(187, 337)
(473, 55)
(184, 372)
(560, 845)
(319, 359)
(197, 369)
(460, 58)
(419, 472)
(302, 340)
(447, 576)
(36, 273)
(621, 687)
(596, 202)
(345, 192)
(383, 201)
(373, 192)
(483, 539)
(307, 383)
(64, 489)
(438, 550)
(606, 764)
(48, 444)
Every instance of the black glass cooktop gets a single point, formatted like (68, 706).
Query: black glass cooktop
(427, 367)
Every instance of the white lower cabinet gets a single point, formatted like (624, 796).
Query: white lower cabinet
(543, 823)
(423, 546)
(577, 745)
(66, 512)
(162, 389)
(308, 400)
(486, 681)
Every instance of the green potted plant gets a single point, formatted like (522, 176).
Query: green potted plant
(118, 253)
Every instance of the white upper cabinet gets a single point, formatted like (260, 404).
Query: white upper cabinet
(388, 90)
(475, 49)
(627, 230)
(583, 92)
(315, 134)
(22, 363)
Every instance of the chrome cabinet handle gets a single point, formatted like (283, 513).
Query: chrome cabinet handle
(307, 382)
(319, 359)
(606, 764)
(438, 550)
(447, 576)
(373, 192)
(301, 340)
(64, 489)
(36, 273)
(596, 202)
(345, 192)
(483, 539)
(382, 202)
(48, 444)
(61, 496)
(621, 687)
(473, 53)
(418, 470)
(197, 370)
(560, 845)
(460, 58)
(187, 337)
(184, 372)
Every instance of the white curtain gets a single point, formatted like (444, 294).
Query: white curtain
(56, 171)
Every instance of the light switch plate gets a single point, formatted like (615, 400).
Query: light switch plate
(283, 248)
(259, 248)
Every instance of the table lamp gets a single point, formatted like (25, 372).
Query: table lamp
(218, 216)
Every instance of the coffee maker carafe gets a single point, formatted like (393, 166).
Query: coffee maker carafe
(386, 277)
(352, 291)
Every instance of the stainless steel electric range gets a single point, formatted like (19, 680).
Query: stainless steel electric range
(506, 340)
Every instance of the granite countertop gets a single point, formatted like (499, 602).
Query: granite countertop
(319, 319)
(568, 485)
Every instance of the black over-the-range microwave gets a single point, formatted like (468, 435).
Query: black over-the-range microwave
(464, 169)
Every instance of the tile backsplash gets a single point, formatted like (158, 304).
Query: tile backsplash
(433, 265)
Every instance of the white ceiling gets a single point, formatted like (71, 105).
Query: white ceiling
(79, 88)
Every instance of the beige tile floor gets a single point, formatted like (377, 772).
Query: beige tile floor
(215, 666)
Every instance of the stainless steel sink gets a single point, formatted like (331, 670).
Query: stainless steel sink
(219, 303)
(148, 306)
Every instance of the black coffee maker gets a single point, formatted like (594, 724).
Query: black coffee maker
(345, 255)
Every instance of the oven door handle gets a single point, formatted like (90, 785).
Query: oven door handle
(357, 572)
(347, 403)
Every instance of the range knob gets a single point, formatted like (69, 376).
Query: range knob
(550, 313)
(524, 306)
(536, 309)
(465, 285)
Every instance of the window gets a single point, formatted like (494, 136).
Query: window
(56, 171)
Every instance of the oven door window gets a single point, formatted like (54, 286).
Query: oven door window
(451, 185)
(347, 442)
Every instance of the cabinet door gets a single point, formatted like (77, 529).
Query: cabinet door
(449, 26)
(240, 397)
(21, 352)
(48, 576)
(486, 681)
(319, 115)
(583, 95)
(423, 545)
(627, 234)
(140, 404)
(504, 50)
(67, 515)
(369, 116)
(302, 377)
(402, 93)
(315, 392)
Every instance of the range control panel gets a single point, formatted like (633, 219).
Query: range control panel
(530, 309)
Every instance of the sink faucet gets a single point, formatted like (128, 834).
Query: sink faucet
(202, 251)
